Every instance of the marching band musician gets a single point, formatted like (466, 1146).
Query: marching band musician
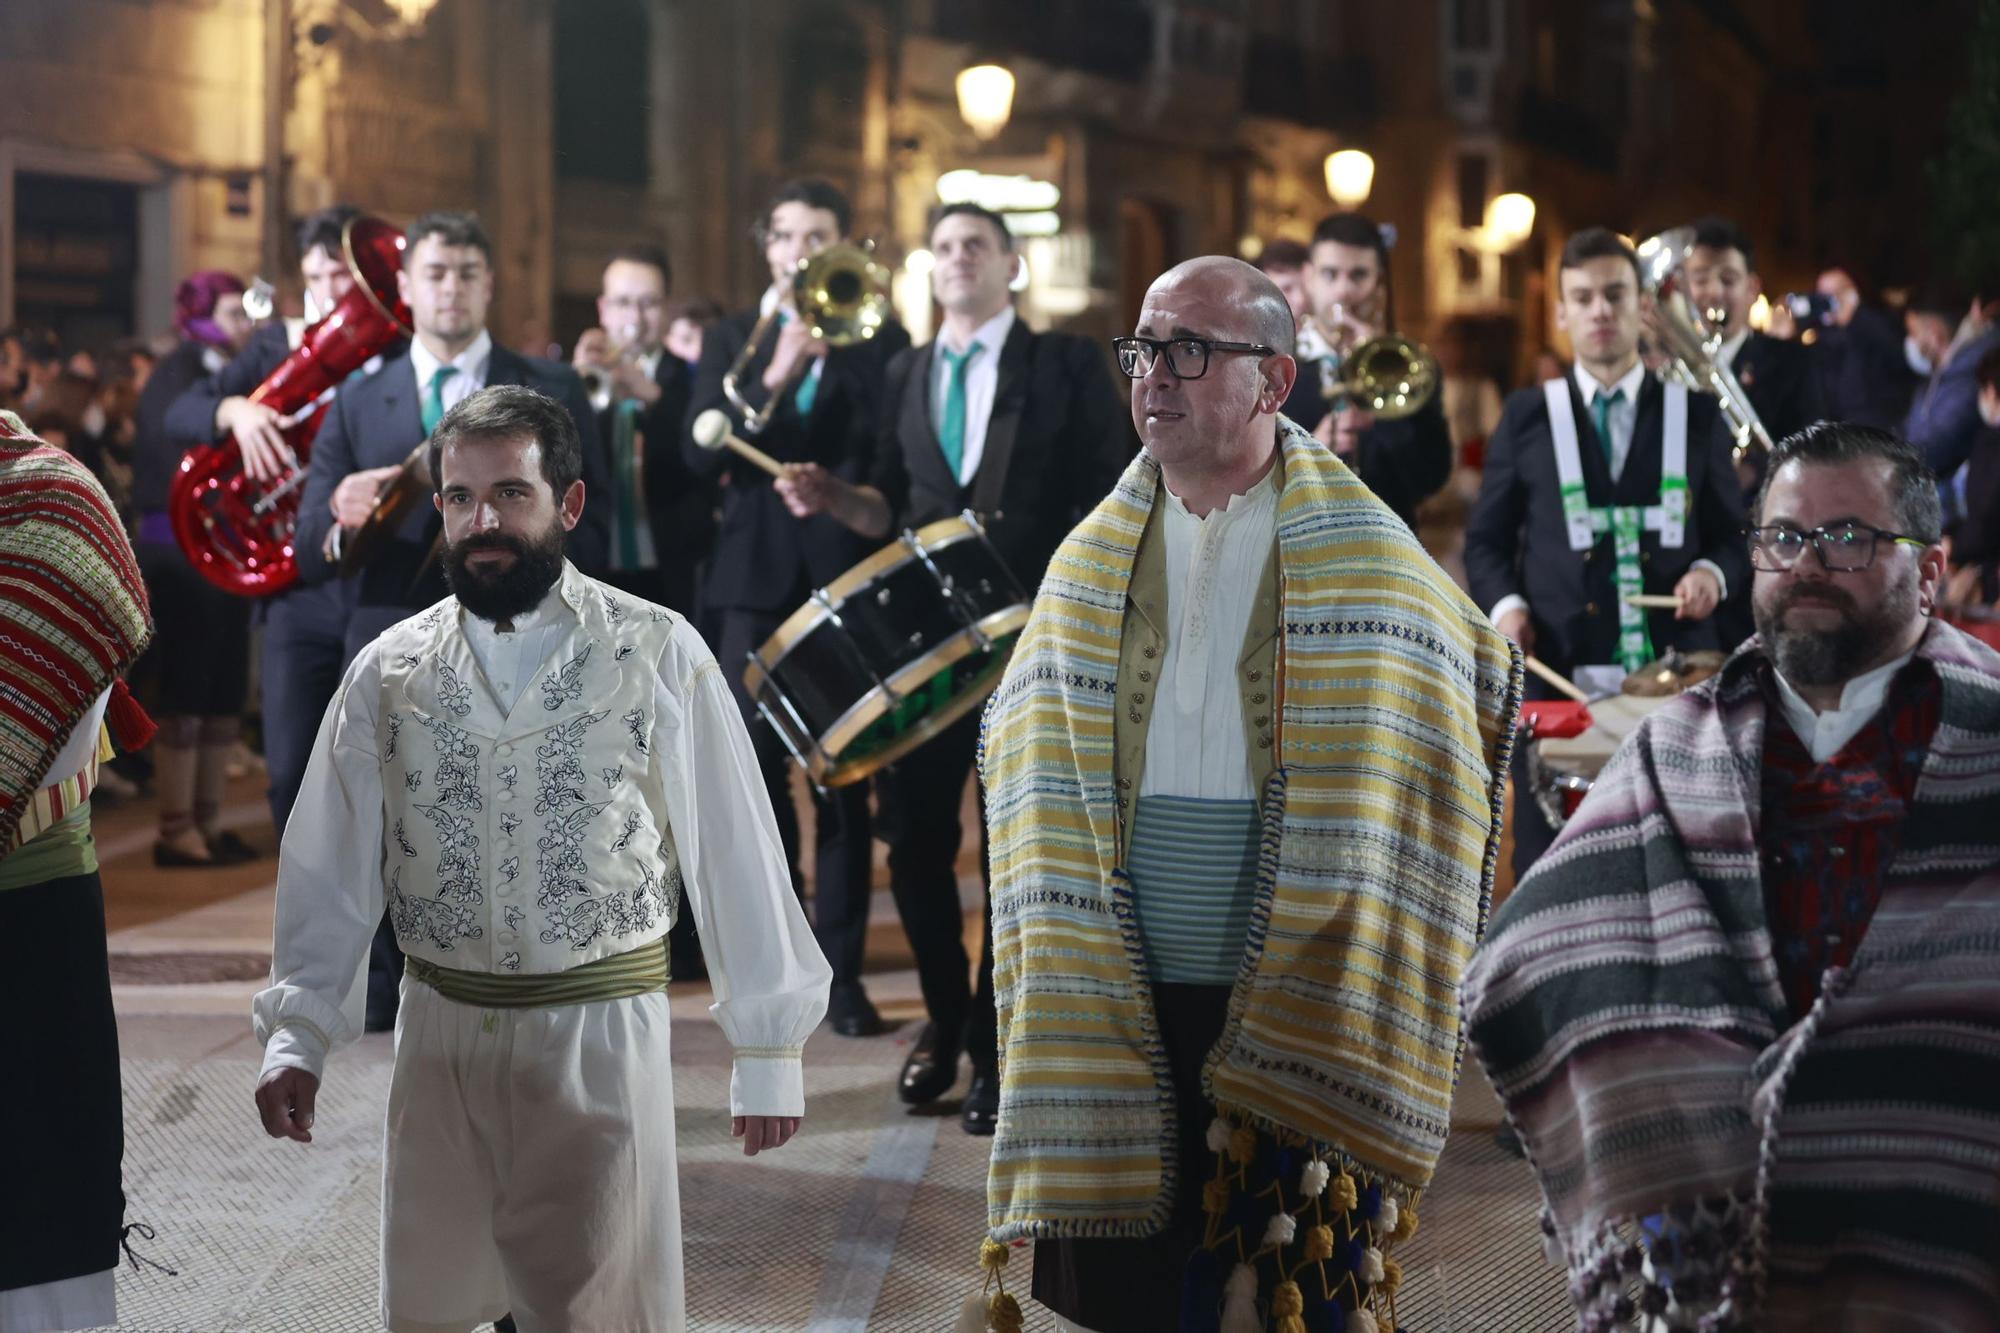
(376, 424)
(1404, 462)
(1600, 486)
(305, 626)
(767, 562)
(202, 652)
(1024, 428)
(663, 516)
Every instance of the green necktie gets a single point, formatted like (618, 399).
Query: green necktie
(1600, 413)
(808, 390)
(434, 399)
(951, 431)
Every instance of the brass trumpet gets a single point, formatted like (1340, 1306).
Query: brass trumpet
(843, 295)
(1390, 375)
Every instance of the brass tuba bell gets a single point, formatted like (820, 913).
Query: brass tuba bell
(842, 294)
(1692, 340)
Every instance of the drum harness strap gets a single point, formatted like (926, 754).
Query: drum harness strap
(1624, 522)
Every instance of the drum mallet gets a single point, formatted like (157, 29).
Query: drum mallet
(1650, 602)
(711, 432)
(1556, 678)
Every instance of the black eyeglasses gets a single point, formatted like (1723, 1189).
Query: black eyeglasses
(1841, 548)
(1187, 358)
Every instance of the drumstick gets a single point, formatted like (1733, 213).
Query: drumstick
(1650, 602)
(711, 432)
(1556, 678)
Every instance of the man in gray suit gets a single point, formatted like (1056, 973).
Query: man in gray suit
(375, 425)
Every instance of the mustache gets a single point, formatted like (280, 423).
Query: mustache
(492, 541)
(1823, 594)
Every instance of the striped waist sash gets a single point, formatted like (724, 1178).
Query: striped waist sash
(1194, 870)
(619, 977)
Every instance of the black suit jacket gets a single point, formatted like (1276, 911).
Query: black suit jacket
(191, 418)
(680, 504)
(1517, 543)
(1405, 461)
(765, 560)
(156, 454)
(1055, 444)
(377, 422)
(1782, 382)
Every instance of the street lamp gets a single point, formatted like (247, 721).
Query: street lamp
(985, 98)
(1350, 175)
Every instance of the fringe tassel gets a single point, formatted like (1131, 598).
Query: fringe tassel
(130, 726)
(1239, 1302)
(971, 1315)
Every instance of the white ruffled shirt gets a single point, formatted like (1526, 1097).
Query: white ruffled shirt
(1195, 745)
(768, 975)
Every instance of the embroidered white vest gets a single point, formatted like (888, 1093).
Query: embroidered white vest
(526, 842)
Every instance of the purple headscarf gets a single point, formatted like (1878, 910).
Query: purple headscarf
(194, 305)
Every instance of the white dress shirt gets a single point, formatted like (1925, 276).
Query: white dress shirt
(982, 382)
(1860, 700)
(1623, 420)
(1196, 746)
(510, 659)
(1624, 413)
(1731, 347)
(471, 365)
(672, 778)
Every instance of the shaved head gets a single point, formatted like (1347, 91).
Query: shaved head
(1214, 435)
(1265, 314)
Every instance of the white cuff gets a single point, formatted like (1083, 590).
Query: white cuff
(1507, 605)
(767, 1083)
(1716, 570)
(295, 1044)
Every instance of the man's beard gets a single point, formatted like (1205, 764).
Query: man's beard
(1825, 657)
(502, 592)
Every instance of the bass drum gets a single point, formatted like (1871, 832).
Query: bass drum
(891, 653)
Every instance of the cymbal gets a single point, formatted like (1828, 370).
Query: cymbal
(1672, 674)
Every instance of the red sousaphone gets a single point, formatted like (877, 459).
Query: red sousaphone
(236, 531)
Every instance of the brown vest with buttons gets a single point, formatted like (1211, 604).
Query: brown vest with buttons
(1142, 643)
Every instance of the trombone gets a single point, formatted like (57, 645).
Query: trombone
(843, 295)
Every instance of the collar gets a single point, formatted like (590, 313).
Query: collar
(1628, 383)
(565, 594)
(1262, 495)
(1312, 344)
(472, 361)
(991, 336)
(650, 362)
(1731, 347)
(1864, 693)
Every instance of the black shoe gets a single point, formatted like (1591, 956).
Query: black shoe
(931, 1069)
(981, 1111)
(230, 850)
(852, 1014)
(504, 1324)
(168, 857)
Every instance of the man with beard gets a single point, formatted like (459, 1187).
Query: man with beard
(540, 769)
(373, 428)
(1745, 1014)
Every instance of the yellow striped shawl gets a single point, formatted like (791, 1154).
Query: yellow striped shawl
(1381, 831)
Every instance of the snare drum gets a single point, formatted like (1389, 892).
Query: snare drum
(891, 653)
(1561, 772)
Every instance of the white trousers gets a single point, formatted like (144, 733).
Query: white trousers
(530, 1168)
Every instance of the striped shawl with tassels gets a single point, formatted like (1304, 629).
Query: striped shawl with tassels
(1700, 1152)
(73, 612)
(1381, 828)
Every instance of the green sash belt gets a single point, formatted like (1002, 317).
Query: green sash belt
(620, 977)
